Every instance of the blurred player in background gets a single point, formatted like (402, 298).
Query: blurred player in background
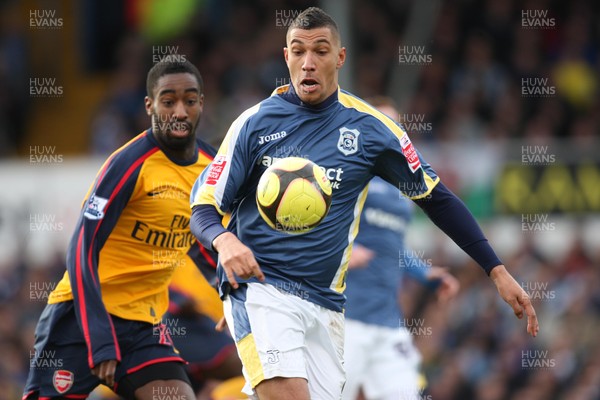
(379, 354)
(283, 294)
(103, 319)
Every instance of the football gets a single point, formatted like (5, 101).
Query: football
(293, 195)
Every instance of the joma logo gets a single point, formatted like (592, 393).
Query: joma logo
(271, 137)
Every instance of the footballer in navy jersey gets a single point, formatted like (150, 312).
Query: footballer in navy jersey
(383, 224)
(352, 141)
(283, 294)
(379, 353)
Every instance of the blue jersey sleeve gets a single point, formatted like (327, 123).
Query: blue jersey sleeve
(414, 266)
(403, 166)
(221, 183)
(414, 185)
(206, 224)
(453, 218)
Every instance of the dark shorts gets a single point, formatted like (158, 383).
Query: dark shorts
(198, 342)
(59, 366)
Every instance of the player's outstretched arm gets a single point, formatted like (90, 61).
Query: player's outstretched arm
(516, 297)
(236, 259)
(450, 214)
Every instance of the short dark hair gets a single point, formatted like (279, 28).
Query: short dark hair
(312, 18)
(168, 68)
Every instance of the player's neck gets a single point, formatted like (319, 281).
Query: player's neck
(293, 97)
(187, 154)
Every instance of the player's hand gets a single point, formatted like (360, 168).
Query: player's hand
(516, 297)
(221, 325)
(105, 371)
(449, 285)
(360, 257)
(236, 259)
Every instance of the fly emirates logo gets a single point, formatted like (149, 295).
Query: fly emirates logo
(333, 174)
(177, 235)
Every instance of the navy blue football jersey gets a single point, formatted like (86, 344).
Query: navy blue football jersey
(352, 142)
(372, 290)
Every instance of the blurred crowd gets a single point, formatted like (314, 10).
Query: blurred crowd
(495, 68)
(482, 55)
(475, 87)
(476, 349)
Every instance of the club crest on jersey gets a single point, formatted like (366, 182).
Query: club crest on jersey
(95, 207)
(63, 380)
(348, 142)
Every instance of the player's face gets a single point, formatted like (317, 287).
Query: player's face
(176, 108)
(313, 57)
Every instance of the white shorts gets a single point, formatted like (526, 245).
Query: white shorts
(282, 335)
(382, 360)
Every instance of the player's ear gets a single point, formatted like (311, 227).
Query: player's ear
(285, 54)
(148, 105)
(341, 58)
(201, 102)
